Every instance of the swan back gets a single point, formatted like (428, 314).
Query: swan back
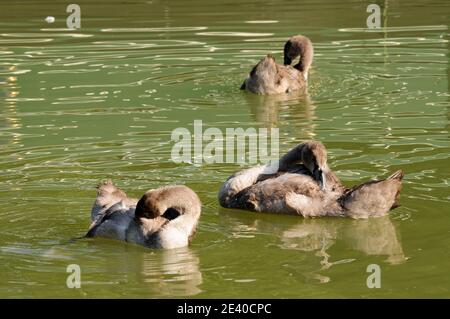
(374, 198)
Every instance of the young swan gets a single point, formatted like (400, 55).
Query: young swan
(267, 77)
(166, 217)
(304, 185)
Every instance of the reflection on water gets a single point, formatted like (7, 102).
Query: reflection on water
(156, 273)
(101, 102)
(8, 92)
(175, 274)
(267, 110)
(375, 236)
(171, 273)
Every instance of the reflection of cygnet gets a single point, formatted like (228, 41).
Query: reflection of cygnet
(171, 273)
(268, 110)
(311, 235)
(375, 236)
(144, 272)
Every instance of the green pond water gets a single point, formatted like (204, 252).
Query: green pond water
(80, 106)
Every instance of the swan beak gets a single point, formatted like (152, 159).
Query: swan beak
(319, 176)
(324, 181)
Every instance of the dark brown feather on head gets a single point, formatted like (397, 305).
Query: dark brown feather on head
(145, 208)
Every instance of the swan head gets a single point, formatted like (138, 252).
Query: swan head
(313, 155)
(291, 52)
(299, 46)
(166, 217)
